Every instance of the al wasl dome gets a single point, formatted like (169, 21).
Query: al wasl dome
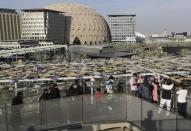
(83, 24)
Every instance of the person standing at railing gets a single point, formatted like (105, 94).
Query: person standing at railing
(98, 95)
(120, 86)
(166, 95)
(155, 85)
(16, 118)
(89, 86)
(133, 84)
(75, 89)
(109, 85)
(45, 96)
(104, 79)
(54, 92)
(110, 91)
(181, 100)
(18, 99)
(147, 87)
(56, 103)
(140, 86)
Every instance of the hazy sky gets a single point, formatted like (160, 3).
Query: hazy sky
(153, 16)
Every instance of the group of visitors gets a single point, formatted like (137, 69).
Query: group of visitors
(80, 87)
(16, 118)
(52, 93)
(86, 86)
(149, 88)
(146, 87)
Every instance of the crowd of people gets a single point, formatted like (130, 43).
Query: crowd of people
(16, 116)
(146, 87)
(52, 93)
(150, 88)
(80, 87)
(159, 91)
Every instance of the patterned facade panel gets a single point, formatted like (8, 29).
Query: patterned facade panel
(86, 24)
(9, 28)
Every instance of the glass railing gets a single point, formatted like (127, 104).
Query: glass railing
(89, 109)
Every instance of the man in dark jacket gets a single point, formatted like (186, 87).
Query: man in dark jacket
(45, 95)
(54, 92)
(75, 89)
(18, 99)
(166, 95)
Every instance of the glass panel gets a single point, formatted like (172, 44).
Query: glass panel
(2, 118)
(21, 116)
(155, 118)
(104, 108)
(134, 109)
(64, 111)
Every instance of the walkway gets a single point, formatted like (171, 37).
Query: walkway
(88, 109)
(20, 51)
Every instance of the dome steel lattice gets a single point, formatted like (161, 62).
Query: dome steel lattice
(84, 23)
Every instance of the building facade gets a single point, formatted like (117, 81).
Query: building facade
(10, 29)
(122, 28)
(84, 24)
(43, 25)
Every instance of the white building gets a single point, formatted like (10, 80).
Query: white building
(43, 25)
(122, 28)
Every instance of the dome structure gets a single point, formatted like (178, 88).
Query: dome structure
(84, 24)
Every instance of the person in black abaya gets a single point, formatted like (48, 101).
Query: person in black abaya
(45, 96)
(54, 92)
(75, 89)
(16, 117)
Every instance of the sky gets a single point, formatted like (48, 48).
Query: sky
(152, 16)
